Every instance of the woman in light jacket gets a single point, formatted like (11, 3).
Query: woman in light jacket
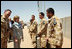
(17, 32)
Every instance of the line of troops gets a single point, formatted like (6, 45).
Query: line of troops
(46, 34)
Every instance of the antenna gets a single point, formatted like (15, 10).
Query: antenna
(38, 6)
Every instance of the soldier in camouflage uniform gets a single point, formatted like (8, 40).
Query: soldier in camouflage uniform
(42, 30)
(54, 31)
(4, 28)
(30, 28)
(33, 30)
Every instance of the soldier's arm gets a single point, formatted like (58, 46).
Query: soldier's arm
(30, 27)
(59, 33)
(34, 26)
(8, 29)
(44, 27)
(2, 29)
(59, 39)
(48, 29)
(2, 35)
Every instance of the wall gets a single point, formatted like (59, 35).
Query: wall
(66, 24)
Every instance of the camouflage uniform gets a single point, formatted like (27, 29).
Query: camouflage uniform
(4, 31)
(54, 32)
(43, 41)
(43, 32)
(33, 30)
(30, 28)
(23, 25)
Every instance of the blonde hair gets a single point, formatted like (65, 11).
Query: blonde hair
(15, 17)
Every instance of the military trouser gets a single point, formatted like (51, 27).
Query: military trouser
(31, 35)
(34, 39)
(43, 41)
(4, 42)
(52, 46)
(55, 46)
(17, 43)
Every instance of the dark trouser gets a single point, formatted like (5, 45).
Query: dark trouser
(10, 34)
(17, 44)
(47, 45)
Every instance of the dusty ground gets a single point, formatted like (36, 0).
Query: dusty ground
(27, 43)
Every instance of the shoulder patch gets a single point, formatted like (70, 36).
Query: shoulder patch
(34, 22)
(43, 22)
(54, 21)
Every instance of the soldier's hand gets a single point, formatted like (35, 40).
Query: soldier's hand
(16, 40)
(46, 38)
(22, 39)
(39, 34)
(58, 46)
(30, 31)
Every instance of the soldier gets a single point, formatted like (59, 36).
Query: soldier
(30, 28)
(17, 32)
(42, 29)
(4, 28)
(33, 30)
(54, 31)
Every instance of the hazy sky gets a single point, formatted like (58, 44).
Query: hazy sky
(25, 9)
